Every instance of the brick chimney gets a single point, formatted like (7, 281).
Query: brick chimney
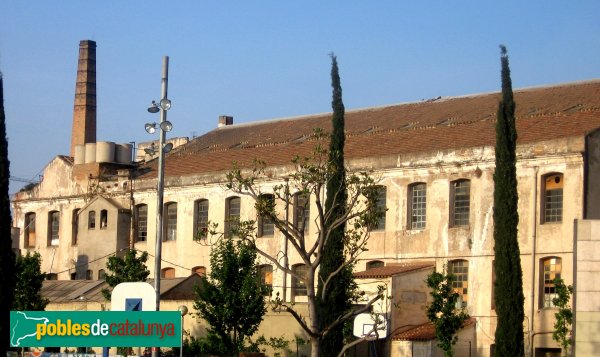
(225, 120)
(84, 111)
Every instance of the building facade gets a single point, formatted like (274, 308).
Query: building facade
(434, 161)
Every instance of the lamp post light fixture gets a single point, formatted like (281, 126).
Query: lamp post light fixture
(163, 126)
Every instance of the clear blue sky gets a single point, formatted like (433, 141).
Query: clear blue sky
(259, 60)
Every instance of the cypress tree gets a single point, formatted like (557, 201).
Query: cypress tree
(336, 300)
(509, 276)
(7, 257)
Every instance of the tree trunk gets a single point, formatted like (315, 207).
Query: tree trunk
(315, 347)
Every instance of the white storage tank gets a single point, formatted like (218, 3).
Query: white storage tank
(79, 154)
(90, 153)
(105, 151)
(123, 153)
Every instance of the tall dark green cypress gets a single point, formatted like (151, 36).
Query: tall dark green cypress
(336, 301)
(509, 276)
(7, 257)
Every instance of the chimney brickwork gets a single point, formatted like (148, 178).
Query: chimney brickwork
(84, 111)
(225, 120)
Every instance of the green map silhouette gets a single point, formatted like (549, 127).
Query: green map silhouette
(23, 327)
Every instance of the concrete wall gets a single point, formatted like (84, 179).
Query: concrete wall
(587, 295)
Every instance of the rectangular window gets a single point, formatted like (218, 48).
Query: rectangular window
(103, 219)
(381, 208)
(201, 229)
(53, 227)
(299, 285)
(266, 278)
(92, 220)
(266, 227)
(460, 202)
(29, 230)
(302, 211)
(232, 216)
(417, 206)
(551, 269)
(142, 223)
(171, 226)
(460, 270)
(553, 198)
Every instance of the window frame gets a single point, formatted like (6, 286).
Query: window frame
(199, 269)
(380, 225)
(167, 271)
(265, 273)
(53, 228)
(545, 298)
(170, 222)
(91, 219)
(231, 219)
(301, 211)
(266, 227)
(454, 204)
(374, 264)
(139, 232)
(29, 230)
(459, 268)
(103, 219)
(547, 216)
(420, 224)
(201, 217)
(298, 286)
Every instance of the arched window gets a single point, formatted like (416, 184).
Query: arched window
(200, 270)
(232, 215)
(417, 206)
(266, 278)
(53, 227)
(51, 276)
(460, 270)
(89, 275)
(266, 227)
(167, 273)
(200, 218)
(299, 285)
(552, 198)
(92, 220)
(302, 211)
(141, 226)
(171, 221)
(460, 202)
(375, 264)
(101, 274)
(29, 230)
(103, 219)
(550, 269)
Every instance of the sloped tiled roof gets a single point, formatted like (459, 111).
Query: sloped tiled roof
(543, 113)
(62, 291)
(424, 332)
(391, 270)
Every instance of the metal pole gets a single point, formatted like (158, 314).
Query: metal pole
(160, 189)
(181, 344)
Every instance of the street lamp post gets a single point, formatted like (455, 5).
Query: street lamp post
(183, 310)
(164, 126)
